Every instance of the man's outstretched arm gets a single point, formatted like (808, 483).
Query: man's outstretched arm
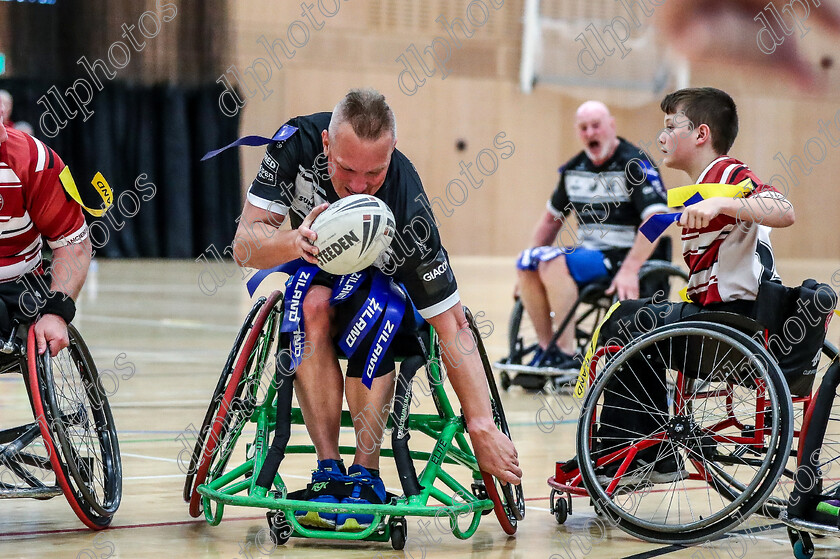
(496, 453)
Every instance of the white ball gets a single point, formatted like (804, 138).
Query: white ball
(352, 233)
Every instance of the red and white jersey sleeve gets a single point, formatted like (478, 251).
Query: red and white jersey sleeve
(33, 205)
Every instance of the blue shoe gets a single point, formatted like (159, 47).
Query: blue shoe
(329, 477)
(537, 356)
(367, 489)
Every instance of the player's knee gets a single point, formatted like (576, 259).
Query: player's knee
(317, 313)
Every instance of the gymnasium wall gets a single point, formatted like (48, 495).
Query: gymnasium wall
(480, 99)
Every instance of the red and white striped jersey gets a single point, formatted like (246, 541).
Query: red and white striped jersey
(728, 259)
(33, 204)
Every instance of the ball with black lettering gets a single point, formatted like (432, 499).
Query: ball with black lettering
(352, 233)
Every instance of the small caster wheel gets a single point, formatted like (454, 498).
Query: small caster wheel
(561, 511)
(504, 380)
(398, 533)
(801, 552)
(279, 527)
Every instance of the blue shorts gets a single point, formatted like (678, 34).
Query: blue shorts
(584, 265)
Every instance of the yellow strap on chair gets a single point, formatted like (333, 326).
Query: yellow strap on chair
(678, 196)
(583, 377)
(98, 182)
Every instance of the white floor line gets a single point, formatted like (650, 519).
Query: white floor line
(148, 457)
(159, 403)
(529, 507)
(161, 476)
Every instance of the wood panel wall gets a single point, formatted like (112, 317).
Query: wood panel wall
(480, 98)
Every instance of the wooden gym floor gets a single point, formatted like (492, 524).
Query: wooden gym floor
(177, 339)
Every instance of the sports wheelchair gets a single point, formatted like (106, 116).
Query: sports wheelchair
(248, 391)
(730, 421)
(71, 447)
(656, 276)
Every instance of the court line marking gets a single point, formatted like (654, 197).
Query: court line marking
(160, 476)
(158, 458)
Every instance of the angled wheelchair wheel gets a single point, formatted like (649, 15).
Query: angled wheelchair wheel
(829, 453)
(723, 382)
(77, 427)
(218, 396)
(823, 461)
(818, 449)
(241, 395)
(508, 500)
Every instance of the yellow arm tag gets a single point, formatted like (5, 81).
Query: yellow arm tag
(678, 196)
(98, 182)
(583, 377)
(684, 295)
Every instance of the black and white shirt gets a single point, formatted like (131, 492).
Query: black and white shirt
(294, 178)
(610, 201)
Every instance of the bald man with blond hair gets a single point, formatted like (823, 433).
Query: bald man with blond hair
(611, 187)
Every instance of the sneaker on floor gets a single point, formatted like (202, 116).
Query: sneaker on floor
(329, 476)
(555, 358)
(537, 356)
(668, 469)
(367, 489)
(636, 474)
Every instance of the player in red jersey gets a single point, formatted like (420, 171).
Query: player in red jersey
(34, 208)
(726, 245)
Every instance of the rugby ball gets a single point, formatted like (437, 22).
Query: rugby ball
(352, 233)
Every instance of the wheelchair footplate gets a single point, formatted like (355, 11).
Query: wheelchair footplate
(388, 519)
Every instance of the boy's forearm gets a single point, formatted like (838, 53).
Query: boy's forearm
(764, 210)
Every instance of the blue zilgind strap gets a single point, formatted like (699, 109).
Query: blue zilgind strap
(363, 322)
(386, 334)
(346, 286)
(284, 133)
(288, 268)
(296, 289)
(658, 223)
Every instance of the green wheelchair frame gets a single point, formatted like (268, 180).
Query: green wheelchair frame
(237, 401)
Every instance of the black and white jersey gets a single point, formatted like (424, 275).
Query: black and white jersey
(610, 201)
(294, 178)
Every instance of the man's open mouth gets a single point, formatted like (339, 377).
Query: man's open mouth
(594, 145)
